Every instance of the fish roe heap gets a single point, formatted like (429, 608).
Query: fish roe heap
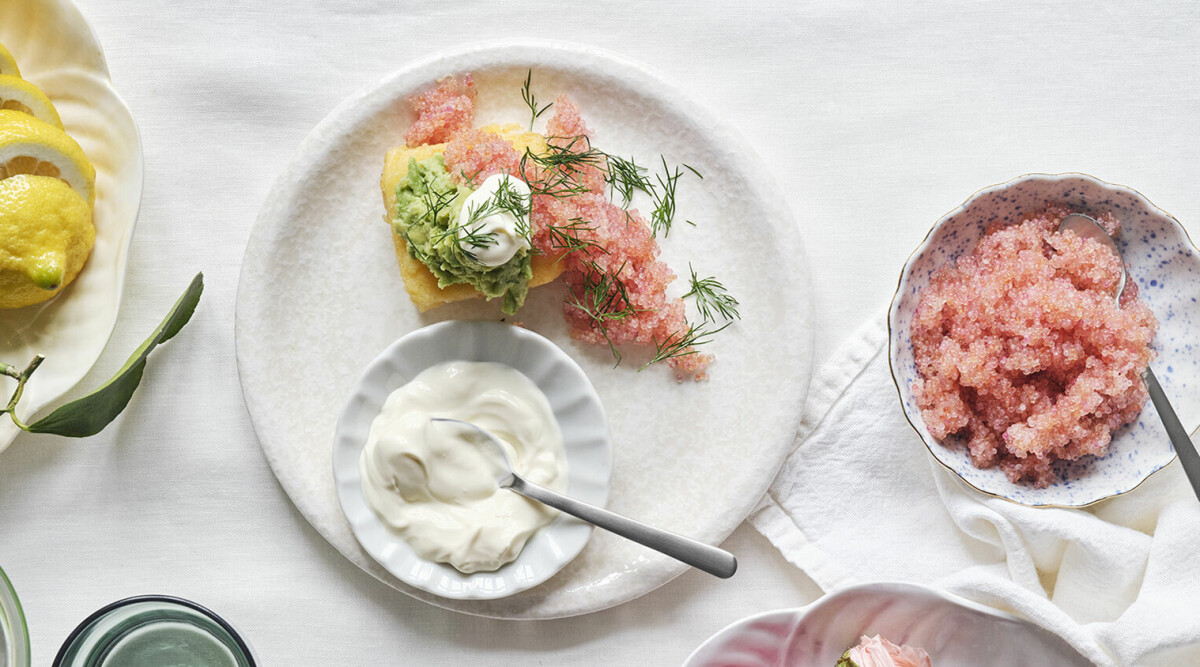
(617, 284)
(1022, 350)
(442, 112)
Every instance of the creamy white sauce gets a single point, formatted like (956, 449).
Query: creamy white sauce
(435, 484)
(498, 221)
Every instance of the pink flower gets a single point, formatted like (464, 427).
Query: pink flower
(879, 652)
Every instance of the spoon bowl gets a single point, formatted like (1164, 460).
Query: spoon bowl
(1087, 227)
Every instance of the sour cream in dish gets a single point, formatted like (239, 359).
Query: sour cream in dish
(434, 484)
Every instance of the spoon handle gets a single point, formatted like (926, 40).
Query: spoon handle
(712, 560)
(1175, 430)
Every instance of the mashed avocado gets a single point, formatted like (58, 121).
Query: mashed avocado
(427, 206)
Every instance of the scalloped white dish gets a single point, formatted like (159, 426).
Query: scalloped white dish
(57, 50)
(576, 407)
(320, 289)
(955, 632)
(1166, 265)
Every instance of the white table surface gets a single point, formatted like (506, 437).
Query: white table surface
(878, 119)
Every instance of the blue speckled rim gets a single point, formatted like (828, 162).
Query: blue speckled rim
(900, 283)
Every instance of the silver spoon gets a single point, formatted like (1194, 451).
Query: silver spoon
(1088, 228)
(712, 560)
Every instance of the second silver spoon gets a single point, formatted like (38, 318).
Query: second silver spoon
(712, 560)
(1088, 228)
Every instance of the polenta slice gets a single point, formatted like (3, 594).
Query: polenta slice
(419, 281)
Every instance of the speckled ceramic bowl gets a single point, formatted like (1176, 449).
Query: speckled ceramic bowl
(1166, 265)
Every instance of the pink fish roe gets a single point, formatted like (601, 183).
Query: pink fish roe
(1022, 350)
(622, 244)
(442, 112)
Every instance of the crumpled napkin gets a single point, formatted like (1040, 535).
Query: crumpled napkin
(860, 499)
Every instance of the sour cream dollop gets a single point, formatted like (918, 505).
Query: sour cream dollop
(435, 484)
(498, 219)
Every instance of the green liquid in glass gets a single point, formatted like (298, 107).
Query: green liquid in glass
(169, 644)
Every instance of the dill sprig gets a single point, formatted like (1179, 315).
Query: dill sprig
(603, 299)
(712, 298)
(436, 202)
(626, 177)
(560, 168)
(506, 199)
(567, 237)
(682, 345)
(531, 101)
(470, 180)
(663, 214)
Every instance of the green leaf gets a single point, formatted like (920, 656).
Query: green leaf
(90, 414)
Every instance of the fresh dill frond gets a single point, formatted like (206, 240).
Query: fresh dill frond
(712, 298)
(603, 299)
(436, 202)
(681, 345)
(506, 199)
(626, 177)
(531, 101)
(664, 201)
(470, 180)
(663, 214)
(560, 169)
(566, 237)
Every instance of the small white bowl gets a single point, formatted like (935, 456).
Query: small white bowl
(575, 404)
(955, 632)
(1166, 265)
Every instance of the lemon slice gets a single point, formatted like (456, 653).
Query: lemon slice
(20, 95)
(8, 64)
(46, 235)
(29, 146)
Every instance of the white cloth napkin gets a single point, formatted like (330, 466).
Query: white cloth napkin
(861, 499)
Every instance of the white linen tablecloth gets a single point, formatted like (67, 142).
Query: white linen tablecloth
(877, 118)
(859, 500)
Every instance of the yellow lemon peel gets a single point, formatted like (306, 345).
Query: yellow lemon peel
(30, 146)
(46, 235)
(18, 94)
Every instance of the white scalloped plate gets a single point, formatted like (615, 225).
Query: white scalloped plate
(955, 632)
(57, 50)
(320, 295)
(576, 407)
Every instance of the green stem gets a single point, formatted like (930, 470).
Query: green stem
(22, 378)
(10, 371)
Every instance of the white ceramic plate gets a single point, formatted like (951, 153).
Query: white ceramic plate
(955, 632)
(576, 408)
(57, 50)
(1166, 266)
(320, 295)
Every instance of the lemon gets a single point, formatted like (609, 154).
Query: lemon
(8, 64)
(30, 146)
(46, 235)
(20, 95)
